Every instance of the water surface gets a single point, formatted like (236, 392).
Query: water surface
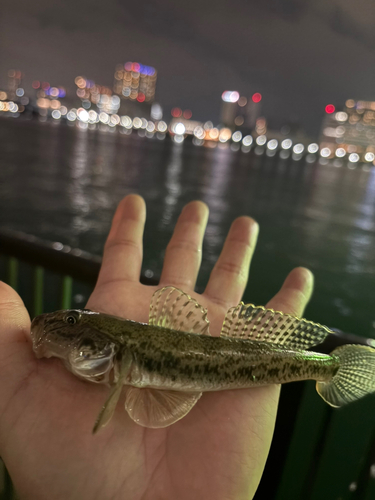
(63, 183)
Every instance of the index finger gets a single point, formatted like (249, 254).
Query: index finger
(123, 250)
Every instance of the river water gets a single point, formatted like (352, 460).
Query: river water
(63, 183)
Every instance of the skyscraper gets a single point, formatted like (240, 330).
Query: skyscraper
(238, 112)
(135, 85)
(135, 81)
(14, 83)
(351, 131)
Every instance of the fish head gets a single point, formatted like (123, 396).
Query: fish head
(71, 336)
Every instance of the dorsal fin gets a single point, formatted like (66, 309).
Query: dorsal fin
(247, 321)
(172, 308)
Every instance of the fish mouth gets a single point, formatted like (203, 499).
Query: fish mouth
(37, 336)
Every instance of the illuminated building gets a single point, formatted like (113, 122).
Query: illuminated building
(135, 84)
(14, 84)
(49, 99)
(135, 81)
(239, 112)
(350, 132)
(229, 107)
(97, 97)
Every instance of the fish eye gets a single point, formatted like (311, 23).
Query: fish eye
(71, 317)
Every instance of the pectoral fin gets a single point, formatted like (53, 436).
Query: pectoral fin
(156, 408)
(109, 406)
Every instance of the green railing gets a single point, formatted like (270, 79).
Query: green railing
(317, 453)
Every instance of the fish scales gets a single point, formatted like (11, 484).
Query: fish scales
(184, 361)
(168, 359)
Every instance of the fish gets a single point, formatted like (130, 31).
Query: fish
(163, 367)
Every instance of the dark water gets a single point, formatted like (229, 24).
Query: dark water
(63, 183)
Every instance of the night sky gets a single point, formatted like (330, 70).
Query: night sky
(300, 54)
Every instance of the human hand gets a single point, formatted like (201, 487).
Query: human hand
(217, 451)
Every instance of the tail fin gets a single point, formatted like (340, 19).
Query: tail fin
(354, 379)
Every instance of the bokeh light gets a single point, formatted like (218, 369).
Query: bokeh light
(313, 148)
(225, 135)
(272, 144)
(298, 148)
(236, 136)
(179, 128)
(230, 96)
(340, 152)
(247, 140)
(325, 152)
(353, 157)
(286, 144)
(176, 112)
(261, 140)
(330, 108)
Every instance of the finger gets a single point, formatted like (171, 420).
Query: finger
(184, 252)
(14, 318)
(295, 292)
(17, 360)
(229, 277)
(122, 257)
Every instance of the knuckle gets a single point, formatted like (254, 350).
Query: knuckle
(183, 245)
(231, 268)
(123, 242)
(292, 302)
(176, 281)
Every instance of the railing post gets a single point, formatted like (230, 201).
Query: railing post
(67, 286)
(38, 290)
(13, 272)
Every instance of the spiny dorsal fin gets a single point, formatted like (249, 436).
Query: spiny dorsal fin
(156, 408)
(247, 321)
(172, 308)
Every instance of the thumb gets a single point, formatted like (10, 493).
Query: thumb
(16, 355)
(14, 318)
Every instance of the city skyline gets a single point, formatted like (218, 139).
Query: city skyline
(299, 56)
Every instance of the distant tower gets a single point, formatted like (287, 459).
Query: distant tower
(229, 107)
(14, 82)
(253, 109)
(238, 111)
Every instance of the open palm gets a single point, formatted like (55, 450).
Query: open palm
(218, 451)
